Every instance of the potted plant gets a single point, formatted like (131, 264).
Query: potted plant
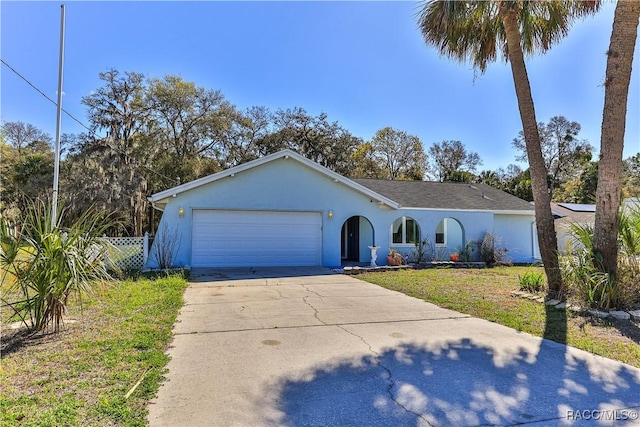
(454, 257)
(394, 257)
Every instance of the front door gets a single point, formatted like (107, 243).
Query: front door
(351, 239)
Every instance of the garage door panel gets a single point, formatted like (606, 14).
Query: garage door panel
(250, 238)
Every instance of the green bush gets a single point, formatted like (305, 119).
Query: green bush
(588, 283)
(531, 281)
(467, 250)
(44, 263)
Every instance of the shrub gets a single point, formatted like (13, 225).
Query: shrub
(491, 251)
(531, 281)
(466, 251)
(588, 283)
(424, 251)
(165, 247)
(44, 264)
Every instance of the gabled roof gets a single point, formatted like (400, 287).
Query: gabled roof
(395, 194)
(162, 197)
(448, 195)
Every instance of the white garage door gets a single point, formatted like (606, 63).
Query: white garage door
(256, 238)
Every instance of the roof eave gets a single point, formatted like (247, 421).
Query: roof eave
(336, 177)
(514, 212)
(494, 211)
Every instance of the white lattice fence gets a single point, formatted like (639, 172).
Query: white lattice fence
(129, 253)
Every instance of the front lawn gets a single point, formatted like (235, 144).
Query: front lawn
(486, 293)
(82, 375)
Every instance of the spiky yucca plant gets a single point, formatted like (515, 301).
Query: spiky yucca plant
(44, 264)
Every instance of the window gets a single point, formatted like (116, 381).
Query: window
(449, 233)
(440, 232)
(405, 230)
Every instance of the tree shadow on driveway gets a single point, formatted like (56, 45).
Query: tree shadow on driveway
(462, 383)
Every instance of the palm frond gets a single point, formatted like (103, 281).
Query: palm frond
(472, 31)
(49, 263)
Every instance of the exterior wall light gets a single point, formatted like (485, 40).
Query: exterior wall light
(330, 214)
(181, 212)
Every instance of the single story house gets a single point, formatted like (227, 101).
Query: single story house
(584, 215)
(565, 215)
(286, 210)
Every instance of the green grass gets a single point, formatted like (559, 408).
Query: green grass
(486, 293)
(81, 376)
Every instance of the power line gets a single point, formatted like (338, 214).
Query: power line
(45, 95)
(93, 132)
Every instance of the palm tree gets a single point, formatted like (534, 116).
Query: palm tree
(477, 31)
(618, 75)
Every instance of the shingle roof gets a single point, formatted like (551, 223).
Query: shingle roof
(446, 195)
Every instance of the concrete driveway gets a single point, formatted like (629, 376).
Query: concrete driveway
(304, 347)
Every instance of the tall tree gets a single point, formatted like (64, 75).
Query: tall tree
(117, 106)
(315, 137)
(97, 173)
(491, 178)
(189, 123)
(399, 154)
(243, 140)
(23, 136)
(513, 180)
(477, 31)
(26, 166)
(448, 158)
(111, 171)
(617, 78)
(563, 152)
(582, 188)
(365, 164)
(518, 183)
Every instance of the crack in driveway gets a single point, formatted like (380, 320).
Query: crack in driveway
(390, 380)
(391, 383)
(306, 288)
(315, 310)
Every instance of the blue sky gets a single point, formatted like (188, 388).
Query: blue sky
(363, 63)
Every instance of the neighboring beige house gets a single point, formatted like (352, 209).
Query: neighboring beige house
(584, 214)
(570, 213)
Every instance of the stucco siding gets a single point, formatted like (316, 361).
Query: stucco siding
(473, 226)
(281, 185)
(367, 238)
(287, 185)
(515, 233)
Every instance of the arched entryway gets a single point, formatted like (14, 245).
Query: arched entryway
(355, 238)
(449, 236)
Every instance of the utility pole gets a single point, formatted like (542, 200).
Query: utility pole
(56, 169)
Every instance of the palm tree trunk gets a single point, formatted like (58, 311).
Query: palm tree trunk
(544, 218)
(618, 75)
